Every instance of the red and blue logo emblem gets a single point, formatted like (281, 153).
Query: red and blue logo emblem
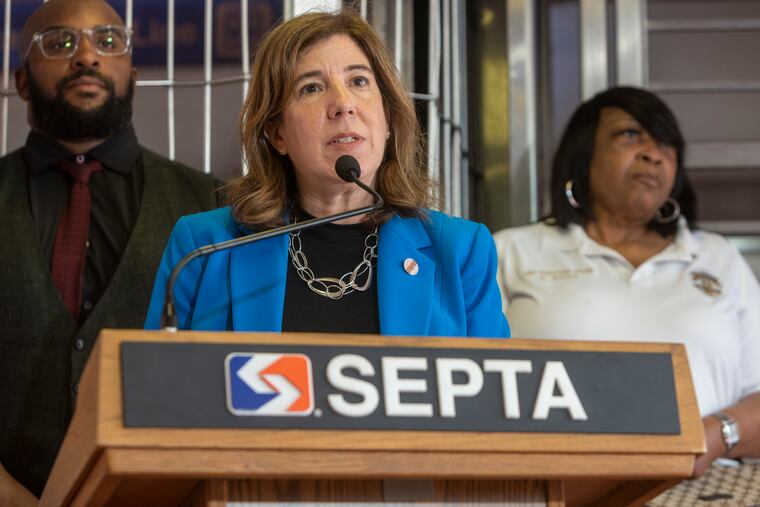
(269, 384)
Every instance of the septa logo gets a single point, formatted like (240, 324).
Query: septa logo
(269, 384)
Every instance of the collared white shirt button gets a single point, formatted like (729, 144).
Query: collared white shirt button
(80, 159)
(411, 267)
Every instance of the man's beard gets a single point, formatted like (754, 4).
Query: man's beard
(59, 119)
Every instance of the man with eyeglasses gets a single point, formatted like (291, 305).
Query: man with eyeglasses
(86, 212)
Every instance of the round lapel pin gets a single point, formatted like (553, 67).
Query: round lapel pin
(411, 267)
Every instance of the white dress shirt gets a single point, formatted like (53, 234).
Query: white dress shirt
(698, 291)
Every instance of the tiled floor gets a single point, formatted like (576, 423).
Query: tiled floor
(721, 486)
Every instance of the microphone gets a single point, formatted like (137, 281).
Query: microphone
(347, 168)
(349, 171)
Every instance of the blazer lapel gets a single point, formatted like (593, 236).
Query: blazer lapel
(405, 299)
(257, 279)
(22, 261)
(132, 281)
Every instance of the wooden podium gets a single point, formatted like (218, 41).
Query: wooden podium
(104, 463)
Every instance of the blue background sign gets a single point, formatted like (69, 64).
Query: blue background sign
(149, 28)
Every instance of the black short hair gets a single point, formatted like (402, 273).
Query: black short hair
(576, 149)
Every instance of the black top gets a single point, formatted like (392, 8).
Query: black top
(332, 250)
(115, 203)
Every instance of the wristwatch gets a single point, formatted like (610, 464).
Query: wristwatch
(729, 430)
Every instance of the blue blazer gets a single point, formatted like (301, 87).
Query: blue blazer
(453, 294)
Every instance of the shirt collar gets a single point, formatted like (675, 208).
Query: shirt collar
(555, 238)
(684, 244)
(117, 153)
(574, 238)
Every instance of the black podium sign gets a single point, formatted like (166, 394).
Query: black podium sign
(380, 388)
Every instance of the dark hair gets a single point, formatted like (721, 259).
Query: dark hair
(576, 150)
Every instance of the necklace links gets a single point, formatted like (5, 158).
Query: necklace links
(331, 287)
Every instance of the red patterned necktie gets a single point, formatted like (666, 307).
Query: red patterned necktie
(70, 247)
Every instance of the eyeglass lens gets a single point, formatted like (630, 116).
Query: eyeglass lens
(63, 42)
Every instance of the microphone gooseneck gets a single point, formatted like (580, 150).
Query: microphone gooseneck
(347, 167)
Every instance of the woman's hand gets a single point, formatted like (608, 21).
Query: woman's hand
(12, 493)
(716, 448)
(746, 413)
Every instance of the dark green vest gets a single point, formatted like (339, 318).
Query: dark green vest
(42, 349)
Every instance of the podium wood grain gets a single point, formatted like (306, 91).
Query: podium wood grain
(104, 463)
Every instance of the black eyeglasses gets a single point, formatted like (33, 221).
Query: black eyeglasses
(59, 43)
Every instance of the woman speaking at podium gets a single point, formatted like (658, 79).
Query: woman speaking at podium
(323, 86)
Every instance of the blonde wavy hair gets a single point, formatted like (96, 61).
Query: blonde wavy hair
(260, 198)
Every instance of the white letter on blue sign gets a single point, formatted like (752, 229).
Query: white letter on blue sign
(393, 386)
(555, 375)
(509, 368)
(352, 385)
(448, 390)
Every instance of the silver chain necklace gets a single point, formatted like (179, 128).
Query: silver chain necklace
(330, 287)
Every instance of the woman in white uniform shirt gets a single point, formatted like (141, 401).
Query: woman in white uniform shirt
(618, 259)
